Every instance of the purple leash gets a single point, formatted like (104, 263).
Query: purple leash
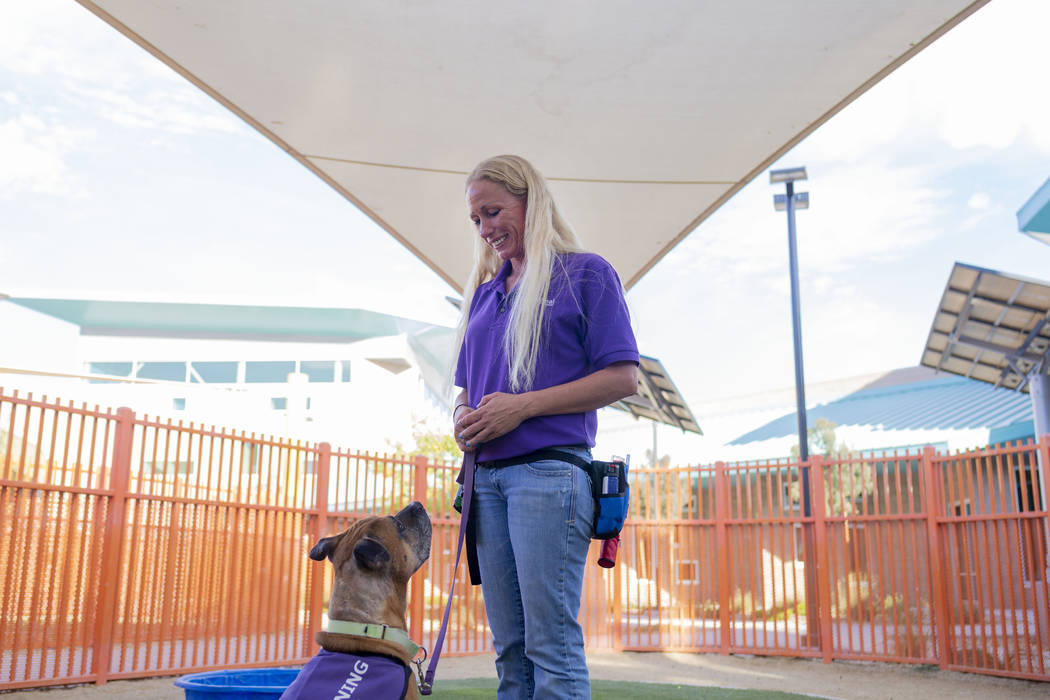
(427, 686)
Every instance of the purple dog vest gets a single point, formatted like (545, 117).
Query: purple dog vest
(333, 675)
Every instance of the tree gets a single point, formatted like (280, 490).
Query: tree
(662, 463)
(847, 480)
(435, 442)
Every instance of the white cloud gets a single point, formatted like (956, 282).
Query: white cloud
(980, 201)
(859, 212)
(34, 155)
(179, 110)
(846, 335)
(980, 85)
(106, 74)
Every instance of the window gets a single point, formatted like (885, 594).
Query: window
(116, 369)
(164, 371)
(214, 372)
(688, 572)
(344, 375)
(279, 403)
(318, 370)
(113, 369)
(268, 372)
(250, 458)
(178, 404)
(170, 467)
(790, 500)
(798, 541)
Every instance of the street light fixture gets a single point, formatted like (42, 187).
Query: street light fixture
(787, 175)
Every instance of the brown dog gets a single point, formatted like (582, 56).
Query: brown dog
(366, 651)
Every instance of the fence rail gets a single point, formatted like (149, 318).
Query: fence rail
(132, 546)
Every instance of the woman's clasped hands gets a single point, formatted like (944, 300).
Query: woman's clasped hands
(497, 414)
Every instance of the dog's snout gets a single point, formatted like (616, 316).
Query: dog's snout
(414, 509)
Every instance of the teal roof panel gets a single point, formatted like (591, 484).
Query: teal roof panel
(943, 403)
(1034, 217)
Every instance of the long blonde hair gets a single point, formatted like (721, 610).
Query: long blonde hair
(547, 233)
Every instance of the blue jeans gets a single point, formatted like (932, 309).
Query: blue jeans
(534, 525)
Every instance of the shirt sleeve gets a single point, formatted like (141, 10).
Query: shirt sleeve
(608, 336)
(460, 378)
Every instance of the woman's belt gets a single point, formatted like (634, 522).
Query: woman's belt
(557, 453)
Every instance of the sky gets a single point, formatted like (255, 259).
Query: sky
(120, 180)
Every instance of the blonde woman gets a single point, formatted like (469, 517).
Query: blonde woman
(546, 340)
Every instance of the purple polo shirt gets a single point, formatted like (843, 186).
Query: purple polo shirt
(587, 328)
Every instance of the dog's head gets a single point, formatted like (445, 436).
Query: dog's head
(373, 560)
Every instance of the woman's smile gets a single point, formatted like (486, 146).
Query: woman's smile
(499, 218)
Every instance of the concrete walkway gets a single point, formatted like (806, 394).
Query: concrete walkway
(842, 679)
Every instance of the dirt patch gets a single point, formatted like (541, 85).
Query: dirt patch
(843, 680)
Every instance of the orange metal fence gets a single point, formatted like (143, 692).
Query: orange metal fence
(131, 547)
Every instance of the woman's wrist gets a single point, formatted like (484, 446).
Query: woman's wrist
(458, 406)
(530, 405)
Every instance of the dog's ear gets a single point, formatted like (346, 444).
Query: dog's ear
(324, 548)
(370, 554)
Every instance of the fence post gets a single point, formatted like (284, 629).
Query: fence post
(1042, 603)
(1044, 476)
(931, 505)
(722, 549)
(112, 543)
(316, 601)
(415, 601)
(820, 528)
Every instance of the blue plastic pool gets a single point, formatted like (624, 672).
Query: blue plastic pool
(241, 684)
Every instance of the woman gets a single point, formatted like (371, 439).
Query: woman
(545, 341)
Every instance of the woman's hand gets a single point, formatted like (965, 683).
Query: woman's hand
(462, 411)
(496, 415)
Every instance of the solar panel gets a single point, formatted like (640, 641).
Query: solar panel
(658, 398)
(992, 327)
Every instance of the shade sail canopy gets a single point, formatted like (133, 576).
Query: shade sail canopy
(644, 116)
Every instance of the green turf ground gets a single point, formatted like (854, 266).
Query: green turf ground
(485, 689)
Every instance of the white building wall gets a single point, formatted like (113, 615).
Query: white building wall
(372, 412)
(31, 340)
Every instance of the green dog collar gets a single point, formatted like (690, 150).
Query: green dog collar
(375, 631)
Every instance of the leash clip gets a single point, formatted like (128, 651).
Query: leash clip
(424, 687)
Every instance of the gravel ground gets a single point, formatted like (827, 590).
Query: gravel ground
(841, 679)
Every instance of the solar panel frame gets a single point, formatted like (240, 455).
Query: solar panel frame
(658, 398)
(991, 327)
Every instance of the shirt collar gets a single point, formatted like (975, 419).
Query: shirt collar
(499, 282)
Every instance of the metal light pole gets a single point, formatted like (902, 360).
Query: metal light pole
(790, 201)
